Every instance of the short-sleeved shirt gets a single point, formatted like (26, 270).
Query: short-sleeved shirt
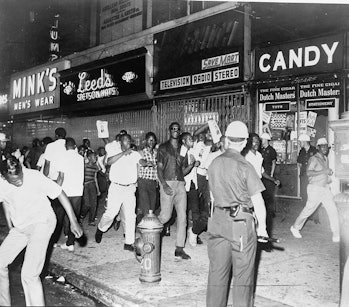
(201, 153)
(172, 161)
(148, 172)
(233, 180)
(125, 170)
(257, 162)
(53, 153)
(303, 158)
(269, 155)
(192, 176)
(73, 169)
(29, 203)
(90, 172)
(318, 162)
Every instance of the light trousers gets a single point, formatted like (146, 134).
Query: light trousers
(178, 200)
(36, 238)
(317, 195)
(121, 196)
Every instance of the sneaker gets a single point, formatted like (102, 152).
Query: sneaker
(129, 247)
(98, 235)
(335, 239)
(67, 247)
(192, 237)
(182, 254)
(295, 232)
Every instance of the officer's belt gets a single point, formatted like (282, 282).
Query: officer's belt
(242, 208)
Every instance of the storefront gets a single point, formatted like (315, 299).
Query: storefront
(198, 73)
(35, 101)
(115, 90)
(299, 89)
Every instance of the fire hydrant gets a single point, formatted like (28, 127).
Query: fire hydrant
(147, 248)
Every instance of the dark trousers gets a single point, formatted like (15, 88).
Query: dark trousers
(76, 204)
(269, 200)
(231, 250)
(60, 213)
(204, 196)
(198, 213)
(89, 204)
(147, 190)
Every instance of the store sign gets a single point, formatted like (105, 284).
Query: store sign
(208, 77)
(277, 107)
(307, 91)
(3, 103)
(205, 53)
(119, 18)
(36, 90)
(305, 57)
(109, 81)
(316, 104)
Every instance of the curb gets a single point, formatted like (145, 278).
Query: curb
(108, 296)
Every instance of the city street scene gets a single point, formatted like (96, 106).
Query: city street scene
(174, 153)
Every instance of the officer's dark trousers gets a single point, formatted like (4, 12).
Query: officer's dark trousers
(232, 252)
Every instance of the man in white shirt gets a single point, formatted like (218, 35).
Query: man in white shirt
(25, 194)
(71, 178)
(123, 178)
(53, 159)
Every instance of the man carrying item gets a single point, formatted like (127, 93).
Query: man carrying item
(318, 192)
(304, 155)
(172, 186)
(31, 221)
(121, 192)
(232, 237)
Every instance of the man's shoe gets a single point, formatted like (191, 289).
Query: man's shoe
(296, 232)
(117, 225)
(129, 247)
(67, 247)
(199, 241)
(192, 237)
(181, 254)
(98, 235)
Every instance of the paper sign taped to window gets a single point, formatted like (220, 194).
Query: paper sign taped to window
(311, 119)
(311, 132)
(102, 129)
(266, 117)
(303, 119)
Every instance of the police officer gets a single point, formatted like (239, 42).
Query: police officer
(232, 235)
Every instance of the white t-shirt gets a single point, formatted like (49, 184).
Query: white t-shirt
(41, 162)
(73, 168)
(201, 152)
(256, 160)
(124, 170)
(53, 153)
(192, 176)
(28, 204)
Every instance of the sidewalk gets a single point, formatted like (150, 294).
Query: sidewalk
(305, 273)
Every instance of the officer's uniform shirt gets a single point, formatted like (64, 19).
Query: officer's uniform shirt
(233, 180)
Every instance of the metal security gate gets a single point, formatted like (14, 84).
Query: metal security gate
(192, 113)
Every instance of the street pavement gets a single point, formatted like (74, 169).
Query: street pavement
(299, 272)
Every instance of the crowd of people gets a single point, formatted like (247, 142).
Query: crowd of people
(184, 179)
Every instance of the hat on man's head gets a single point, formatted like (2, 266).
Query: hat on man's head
(304, 138)
(237, 129)
(266, 136)
(3, 137)
(321, 141)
